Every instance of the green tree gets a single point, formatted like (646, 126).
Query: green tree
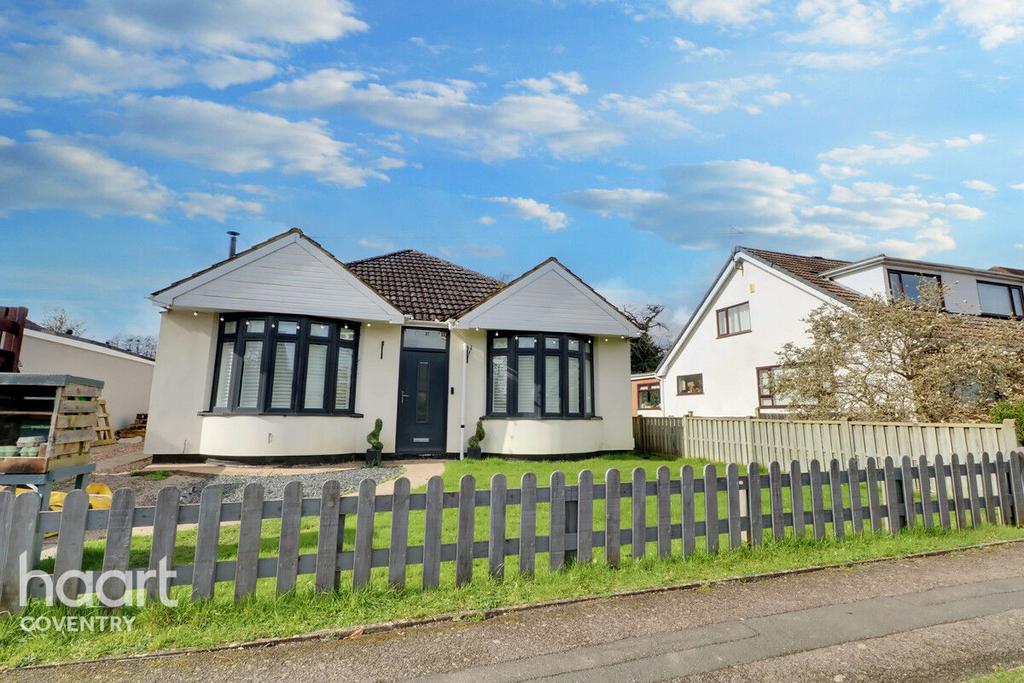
(644, 352)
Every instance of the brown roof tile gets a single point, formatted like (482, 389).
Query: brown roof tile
(424, 286)
(808, 269)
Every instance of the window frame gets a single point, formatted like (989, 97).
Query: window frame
(889, 272)
(270, 338)
(540, 353)
(642, 388)
(690, 393)
(1015, 315)
(726, 309)
(764, 392)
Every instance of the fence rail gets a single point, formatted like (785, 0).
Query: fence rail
(889, 496)
(749, 439)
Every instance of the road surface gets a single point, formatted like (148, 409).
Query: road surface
(929, 619)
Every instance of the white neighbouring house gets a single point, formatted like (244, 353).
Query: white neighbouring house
(282, 350)
(721, 364)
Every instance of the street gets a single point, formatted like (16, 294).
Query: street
(936, 618)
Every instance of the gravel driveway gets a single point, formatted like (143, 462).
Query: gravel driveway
(273, 486)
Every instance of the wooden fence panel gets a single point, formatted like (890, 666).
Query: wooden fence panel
(432, 531)
(496, 537)
(556, 515)
(687, 509)
(835, 483)
(467, 523)
(775, 498)
(585, 517)
(165, 532)
(972, 491)
(664, 503)
(204, 567)
(638, 503)
(612, 514)
(399, 534)
(856, 506)
(796, 493)
(924, 481)
(71, 540)
(327, 549)
(987, 472)
(528, 524)
(288, 545)
(711, 508)
(817, 502)
(874, 504)
(942, 491)
(732, 490)
(754, 504)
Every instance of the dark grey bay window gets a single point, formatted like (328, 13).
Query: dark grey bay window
(540, 375)
(285, 364)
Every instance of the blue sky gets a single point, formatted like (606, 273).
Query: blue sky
(636, 141)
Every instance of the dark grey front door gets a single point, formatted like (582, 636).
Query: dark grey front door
(423, 392)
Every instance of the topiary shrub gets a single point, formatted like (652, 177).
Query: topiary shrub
(1010, 410)
(373, 453)
(478, 435)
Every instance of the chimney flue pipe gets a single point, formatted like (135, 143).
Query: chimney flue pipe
(232, 242)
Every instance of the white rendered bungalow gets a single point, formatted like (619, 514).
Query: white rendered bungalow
(282, 351)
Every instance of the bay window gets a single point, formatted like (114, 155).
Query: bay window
(540, 375)
(285, 365)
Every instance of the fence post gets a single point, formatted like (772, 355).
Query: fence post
(1009, 435)
(572, 525)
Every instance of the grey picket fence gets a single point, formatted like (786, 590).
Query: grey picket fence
(877, 497)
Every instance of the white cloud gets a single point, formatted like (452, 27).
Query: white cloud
(980, 186)
(861, 155)
(50, 172)
(228, 70)
(833, 172)
(379, 244)
(79, 66)
(722, 202)
(1017, 186)
(963, 143)
(726, 12)
(841, 22)
(506, 128)
(434, 49)
(485, 220)
(570, 81)
(692, 50)
(842, 61)
(246, 26)
(237, 141)
(216, 206)
(531, 209)
(748, 93)
(10, 106)
(995, 22)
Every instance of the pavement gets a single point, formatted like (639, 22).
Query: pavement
(939, 618)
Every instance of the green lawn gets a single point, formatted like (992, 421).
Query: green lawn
(220, 621)
(1001, 676)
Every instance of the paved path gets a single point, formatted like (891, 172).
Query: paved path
(928, 619)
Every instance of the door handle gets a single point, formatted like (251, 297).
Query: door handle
(403, 396)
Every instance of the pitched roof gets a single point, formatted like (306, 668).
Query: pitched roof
(1019, 272)
(35, 327)
(424, 286)
(807, 269)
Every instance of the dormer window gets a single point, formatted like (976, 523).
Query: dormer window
(1006, 301)
(909, 286)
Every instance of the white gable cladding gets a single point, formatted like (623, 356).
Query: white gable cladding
(292, 277)
(550, 299)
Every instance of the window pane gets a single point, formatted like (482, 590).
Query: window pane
(723, 322)
(499, 384)
(552, 385)
(255, 326)
(995, 299)
(588, 389)
(739, 318)
(287, 327)
(574, 384)
(553, 343)
(227, 359)
(316, 373)
(425, 339)
(343, 380)
(346, 334)
(500, 343)
(249, 392)
(894, 285)
(527, 342)
(284, 372)
(230, 327)
(422, 392)
(319, 330)
(574, 344)
(527, 394)
(1018, 305)
(690, 384)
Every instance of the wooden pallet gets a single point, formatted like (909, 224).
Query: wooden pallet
(104, 430)
(72, 408)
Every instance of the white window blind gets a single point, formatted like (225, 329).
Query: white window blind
(316, 374)
(249, 391)
(574, 384)
(588, 392)
(284, 373)
(227, 359)
(739, 318)
(343, 380)
(552, 385)
(527, 390)
(499, 384)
